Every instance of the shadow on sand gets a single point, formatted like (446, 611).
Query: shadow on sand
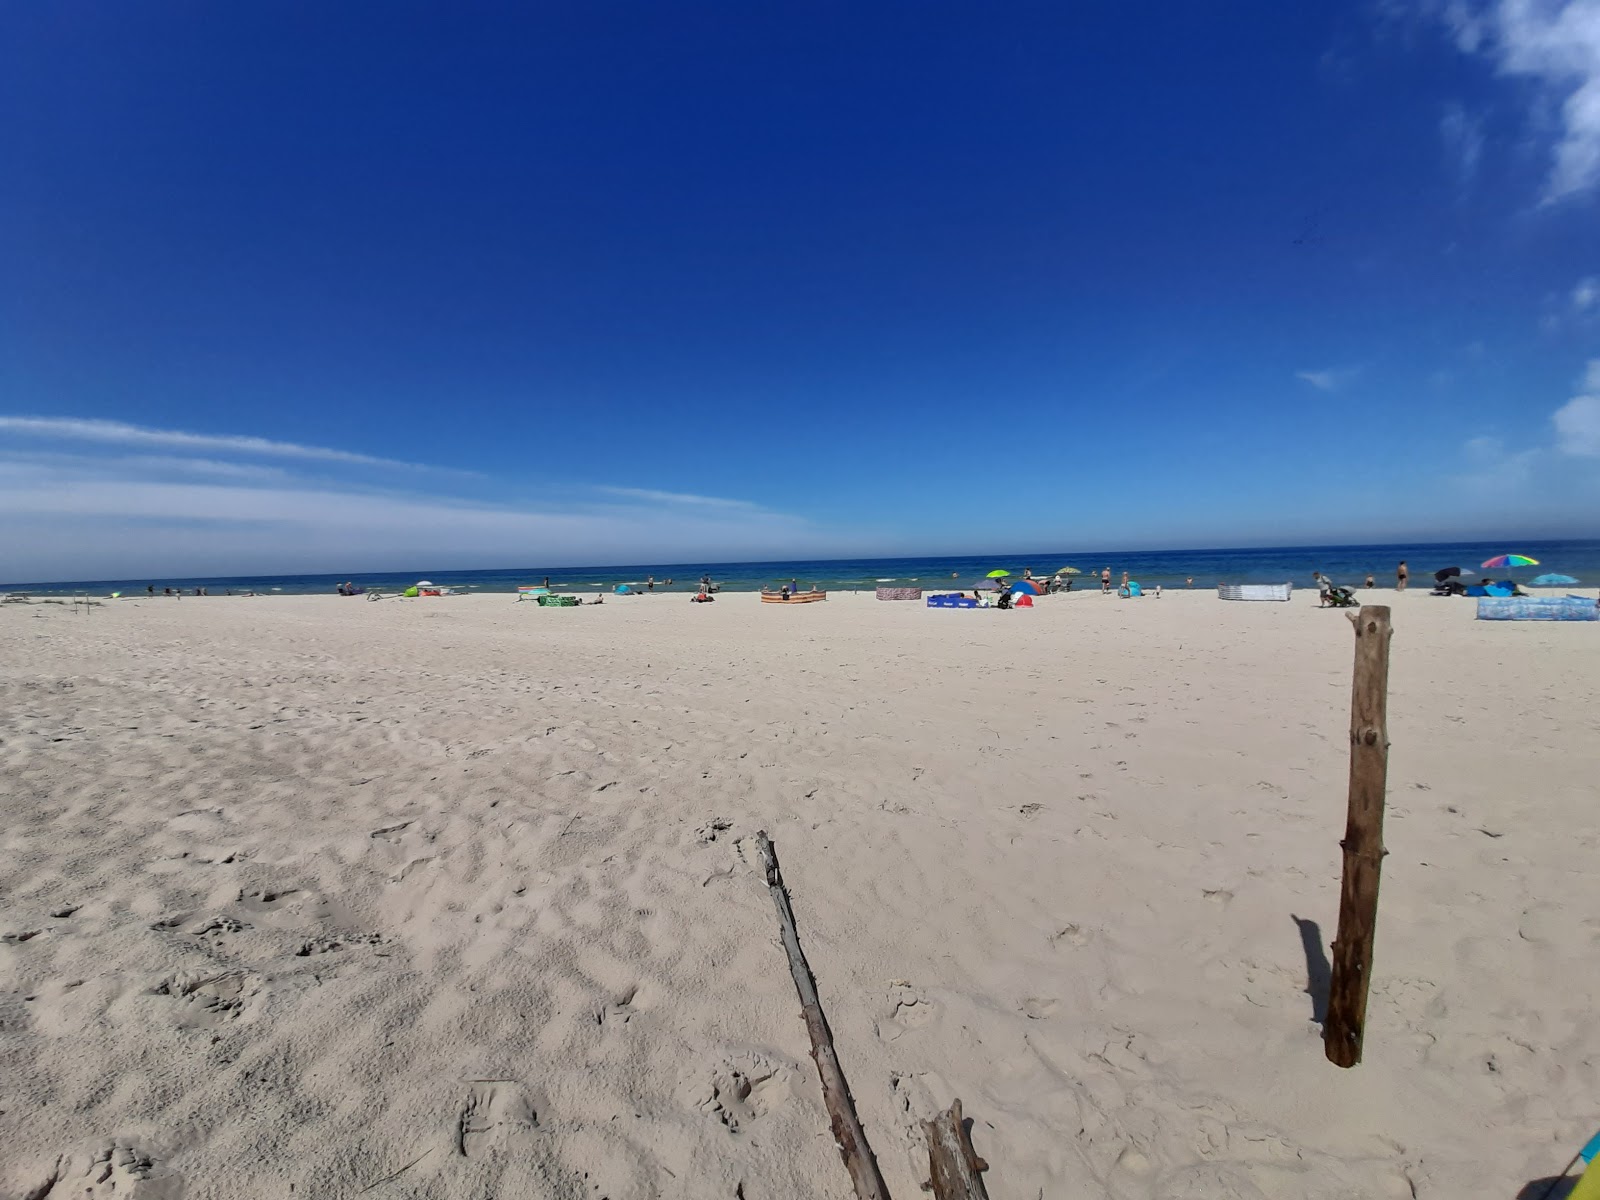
(1319, 972)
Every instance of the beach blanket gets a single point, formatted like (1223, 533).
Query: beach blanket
(1254, 591)
(892, 593)
(1538, 608)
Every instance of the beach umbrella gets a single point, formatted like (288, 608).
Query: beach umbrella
(1068, 571)
(1501, 561)
(1026, 587)
(998, 575)
(1553, 580)
(1447, 573)
(424, 583)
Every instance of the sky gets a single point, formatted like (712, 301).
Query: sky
(299, 287)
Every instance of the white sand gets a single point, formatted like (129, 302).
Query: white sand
(302, 893)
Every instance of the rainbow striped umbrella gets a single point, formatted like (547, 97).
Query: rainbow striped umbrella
(1501, 561)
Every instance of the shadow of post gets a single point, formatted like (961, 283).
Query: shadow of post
(1556, 1187)
(1319, 972)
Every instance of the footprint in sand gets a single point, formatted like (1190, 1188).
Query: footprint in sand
(621, 1010)
(328, 943)
(206, 1001)
(911, 1010)
(113, 1170)
(1070, 935)
(494, 1110)
(745, 1089)
(263, 899)
(390, 833)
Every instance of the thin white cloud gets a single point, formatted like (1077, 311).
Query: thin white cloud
(1462, 134)
(87, 516)
(119, 433)
(1577, 421)
(1328, 379)
(1586, 295)
(1492, 465)
(1556, 45)
(652, 496)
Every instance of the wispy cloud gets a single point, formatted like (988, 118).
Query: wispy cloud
(1577, 421)
(1462, 134)
(1493, 465)
(1328, 379)
(1556, 45)
(651, 496)
(119, 433)
(67, 515)
(1586, 296)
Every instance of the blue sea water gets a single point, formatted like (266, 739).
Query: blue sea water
(1171, 568)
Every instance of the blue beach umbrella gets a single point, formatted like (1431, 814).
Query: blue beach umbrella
(1554, 580)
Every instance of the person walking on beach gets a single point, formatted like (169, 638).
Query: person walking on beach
(1400, 576)
(1124, 581)
(1105, 581)
(650, 584)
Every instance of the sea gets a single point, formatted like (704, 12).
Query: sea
(1348, 565)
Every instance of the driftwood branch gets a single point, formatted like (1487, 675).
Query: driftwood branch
(1363, 840)
(953, 1165)
(847, 1131)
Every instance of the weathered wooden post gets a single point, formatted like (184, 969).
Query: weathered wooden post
(1363, 839)
(848, 1135)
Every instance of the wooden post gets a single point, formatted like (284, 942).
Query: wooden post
(1363, 840)
(953, 1165)
(847, 1132)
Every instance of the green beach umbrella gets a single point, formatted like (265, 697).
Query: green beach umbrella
(998, 574)
(1068, 571)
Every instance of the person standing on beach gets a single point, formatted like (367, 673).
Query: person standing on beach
(650, 584)
(1371, 583)
(1124, 581)
(1105, 581)
(1400, 576)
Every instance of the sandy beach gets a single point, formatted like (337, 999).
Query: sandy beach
(316, 897)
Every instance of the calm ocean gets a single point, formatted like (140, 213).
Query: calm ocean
(1345, 564)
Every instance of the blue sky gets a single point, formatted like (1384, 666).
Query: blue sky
(300, 287)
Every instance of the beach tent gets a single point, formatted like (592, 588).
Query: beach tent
(1026, 587)
(623, 589)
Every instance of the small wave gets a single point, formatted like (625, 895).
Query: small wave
(886, 581)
